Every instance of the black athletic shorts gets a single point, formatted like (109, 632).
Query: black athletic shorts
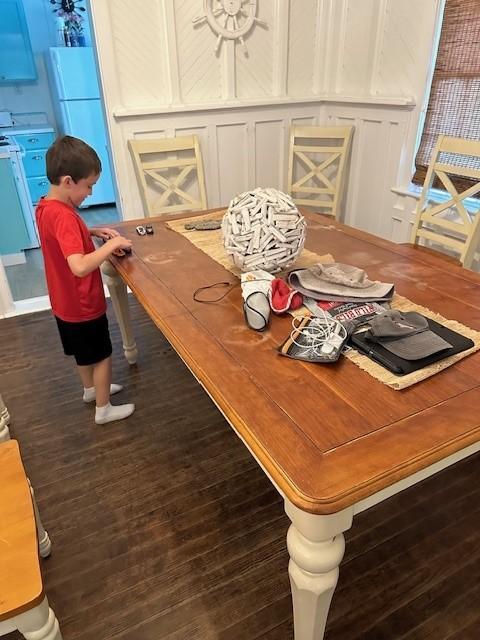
(89, 342)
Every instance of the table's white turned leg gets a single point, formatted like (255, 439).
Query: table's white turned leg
(44, 543)
(38, 623)
(118, 294)
(316, 546)
(4, 422)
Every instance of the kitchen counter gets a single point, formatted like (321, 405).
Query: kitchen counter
(26, 129)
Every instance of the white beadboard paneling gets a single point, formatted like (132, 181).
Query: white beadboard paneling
(149, 134)
(397, 230)
(395, 141)
(400, 222)
(232, 174)
(200, 69)
(378, 144)
(341, 50)
(240, 149)
(269, 153)
(354, 59)
(137, 30)
(254, 71)
(301, 47)
(369, 160)
(406, 47)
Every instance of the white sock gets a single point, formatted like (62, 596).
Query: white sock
(109, 412)
(89, 392)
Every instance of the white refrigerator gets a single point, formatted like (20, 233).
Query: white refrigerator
(76, 96)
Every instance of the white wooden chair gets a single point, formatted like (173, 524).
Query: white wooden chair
(165, 172)
(449, 223)
(4, 421)
(23, 603)
(316, 166)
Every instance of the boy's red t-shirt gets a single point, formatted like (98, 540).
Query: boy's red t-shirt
(62, 234)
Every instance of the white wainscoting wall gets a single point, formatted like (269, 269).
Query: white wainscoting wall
(365, 63)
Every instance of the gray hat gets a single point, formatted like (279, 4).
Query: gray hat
(406, 335)
(337, 281)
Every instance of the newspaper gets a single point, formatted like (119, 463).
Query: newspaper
(350, 314)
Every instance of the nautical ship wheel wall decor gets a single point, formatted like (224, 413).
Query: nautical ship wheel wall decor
(230, 19)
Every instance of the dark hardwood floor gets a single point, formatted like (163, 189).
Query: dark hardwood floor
(165, 528)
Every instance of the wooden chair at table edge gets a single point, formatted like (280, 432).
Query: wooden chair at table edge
(335, 191)
(426, 212)
(24, 605)
(139, 148)
(4, 421)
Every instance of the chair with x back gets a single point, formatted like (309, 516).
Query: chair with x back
(455, 168)
(170, 174)
(316, 166)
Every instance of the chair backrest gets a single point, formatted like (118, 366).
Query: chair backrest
(438, 222)
(316, 166)
(20, 580)
(165, 170)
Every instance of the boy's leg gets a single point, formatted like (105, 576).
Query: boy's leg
(86, 375)
(105, 412)
(102, 377)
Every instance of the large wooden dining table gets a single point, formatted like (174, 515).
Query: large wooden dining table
(332, 439)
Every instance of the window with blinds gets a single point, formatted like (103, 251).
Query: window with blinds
(454, 104)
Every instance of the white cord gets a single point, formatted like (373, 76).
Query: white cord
(321, 335)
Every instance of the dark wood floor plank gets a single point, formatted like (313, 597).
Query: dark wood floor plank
(165, 528)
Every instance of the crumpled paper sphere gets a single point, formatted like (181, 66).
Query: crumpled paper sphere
(263, 229)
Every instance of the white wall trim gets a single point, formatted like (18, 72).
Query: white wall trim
(6, 300)
(34, 305)
(119, 112)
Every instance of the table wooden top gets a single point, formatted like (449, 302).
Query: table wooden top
(328, 435)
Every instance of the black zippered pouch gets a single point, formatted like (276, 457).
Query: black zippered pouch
(400, 366)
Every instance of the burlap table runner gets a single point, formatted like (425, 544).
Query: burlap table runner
(210, 242)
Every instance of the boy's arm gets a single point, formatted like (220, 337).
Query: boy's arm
(105, 233)
(81, 264)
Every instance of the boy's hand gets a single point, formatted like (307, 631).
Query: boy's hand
(105, 233)
(120, 246)
(82, 264)
(119, 242)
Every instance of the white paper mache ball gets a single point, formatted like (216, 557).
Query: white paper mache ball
(263, 229)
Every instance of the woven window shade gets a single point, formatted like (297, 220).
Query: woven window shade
(454, 105)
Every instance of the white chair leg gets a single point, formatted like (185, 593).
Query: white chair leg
(4, 422)
(44, 543)
(4, 431)
(4, 411)
(39, 623)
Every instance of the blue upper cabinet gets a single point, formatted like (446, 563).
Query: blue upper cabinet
(17, 63)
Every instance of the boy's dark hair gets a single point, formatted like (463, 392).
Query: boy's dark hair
(69, 156)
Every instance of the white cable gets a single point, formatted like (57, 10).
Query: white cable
(321, 336)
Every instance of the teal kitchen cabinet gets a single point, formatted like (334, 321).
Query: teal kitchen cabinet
(35, 144)
(13, 230)
(17, 63)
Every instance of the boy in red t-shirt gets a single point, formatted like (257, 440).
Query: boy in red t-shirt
(72, 270)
